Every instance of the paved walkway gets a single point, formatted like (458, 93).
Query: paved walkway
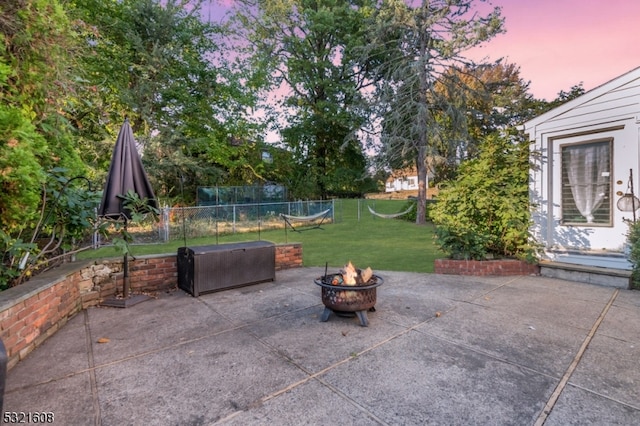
(441, 350)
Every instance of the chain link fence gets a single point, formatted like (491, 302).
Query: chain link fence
(179, 223)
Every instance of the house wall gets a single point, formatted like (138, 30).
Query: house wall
(402, 184)
(611, 111)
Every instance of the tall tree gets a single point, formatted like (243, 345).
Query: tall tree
(412, 47)
(37, 74)
(35, 77)
(494, 99)
(307, 47)
(154, 62)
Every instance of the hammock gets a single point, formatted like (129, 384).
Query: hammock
(390, 216)
(288, 219)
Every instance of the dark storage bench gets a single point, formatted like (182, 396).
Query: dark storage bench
(204, 269)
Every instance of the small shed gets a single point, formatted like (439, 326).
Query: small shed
(585, 155)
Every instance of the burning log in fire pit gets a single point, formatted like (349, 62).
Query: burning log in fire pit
(349, 292)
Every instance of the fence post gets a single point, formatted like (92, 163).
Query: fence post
(165, 224)
(333, 210)
(96, 234)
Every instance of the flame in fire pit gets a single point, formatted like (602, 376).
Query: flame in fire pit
(352, 276)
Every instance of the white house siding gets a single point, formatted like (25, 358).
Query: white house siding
(402, 184)
(609, 111)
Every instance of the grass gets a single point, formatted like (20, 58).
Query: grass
(365, 240)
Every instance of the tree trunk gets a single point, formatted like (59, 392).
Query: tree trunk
(421, 166)
(423, 116)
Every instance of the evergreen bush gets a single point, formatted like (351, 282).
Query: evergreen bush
(633, 239)
(484, 213)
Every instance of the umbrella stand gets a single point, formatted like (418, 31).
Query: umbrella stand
(126, 300)
(125, 268)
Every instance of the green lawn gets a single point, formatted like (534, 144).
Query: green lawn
(383, 244)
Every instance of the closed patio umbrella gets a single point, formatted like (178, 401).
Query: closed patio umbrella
(126, 173)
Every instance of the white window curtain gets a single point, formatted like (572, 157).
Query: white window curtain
(588, 174)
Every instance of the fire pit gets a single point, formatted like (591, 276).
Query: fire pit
(348, 300)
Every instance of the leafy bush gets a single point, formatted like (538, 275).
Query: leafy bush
(485, 213)
(633, 238)
(21, 175)
(139, 209)
(411, 216)
(13, 251)
(66, 217)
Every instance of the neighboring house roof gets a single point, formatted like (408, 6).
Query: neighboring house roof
(403, 173)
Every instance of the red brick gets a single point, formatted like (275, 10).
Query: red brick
(500, 267)
(11, 341)
(142, 267)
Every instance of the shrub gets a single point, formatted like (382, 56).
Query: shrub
(66, 218)
(633, 239)
(139, 209)
(485, 213)
(413, 213)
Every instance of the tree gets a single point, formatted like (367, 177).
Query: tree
(575, 91)
(411, 50)
(37, 47)
(493, 98)
(154, 62)
(34, 78)
(308, 49)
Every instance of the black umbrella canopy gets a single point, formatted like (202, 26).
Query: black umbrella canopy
(126, 173)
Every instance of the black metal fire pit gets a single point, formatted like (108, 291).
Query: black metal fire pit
(348, 300)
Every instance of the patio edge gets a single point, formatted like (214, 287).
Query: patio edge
(32, 312)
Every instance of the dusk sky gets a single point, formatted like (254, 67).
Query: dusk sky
(559, 43)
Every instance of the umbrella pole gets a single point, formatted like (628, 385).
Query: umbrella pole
(125, 287)
(125, 263)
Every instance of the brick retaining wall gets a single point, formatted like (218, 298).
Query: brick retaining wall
(288, 256)
(500, 267)
(35, 310)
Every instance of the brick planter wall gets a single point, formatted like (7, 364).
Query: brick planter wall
(500, 267)
(288, 256)
(35, 310)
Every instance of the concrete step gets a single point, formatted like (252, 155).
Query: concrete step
(610, 277)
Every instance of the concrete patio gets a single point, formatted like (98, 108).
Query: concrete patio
(440, 349)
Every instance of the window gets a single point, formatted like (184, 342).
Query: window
(586, 183)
